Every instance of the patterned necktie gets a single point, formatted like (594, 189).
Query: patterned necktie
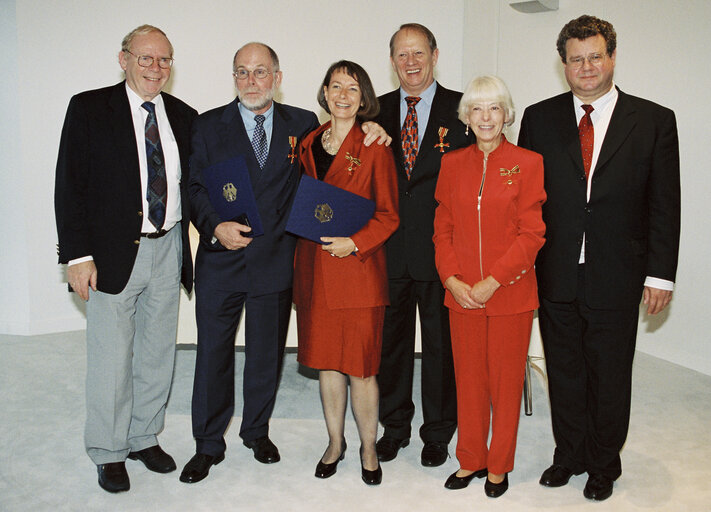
(157, 189)
(259, 141)
(408, 135)
(587, 137)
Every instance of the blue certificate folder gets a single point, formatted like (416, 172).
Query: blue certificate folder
(231, 194)
(321, 209)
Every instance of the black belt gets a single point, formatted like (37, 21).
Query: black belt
(155, 234)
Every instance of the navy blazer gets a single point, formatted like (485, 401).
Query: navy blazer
(410, 250)
(97, 196)
(266, 264)
(632, 220)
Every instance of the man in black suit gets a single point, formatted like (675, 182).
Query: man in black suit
(612, 236)
(412, 275)
(122, 213)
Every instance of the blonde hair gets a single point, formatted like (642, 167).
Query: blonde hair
(486, 88)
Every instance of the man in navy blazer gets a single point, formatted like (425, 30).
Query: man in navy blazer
(127, 265)
(234, 271)
(611, 238)
(412, 275)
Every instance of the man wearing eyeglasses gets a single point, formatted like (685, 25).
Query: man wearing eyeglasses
(235, 271)
(612, 237)
(122, 214)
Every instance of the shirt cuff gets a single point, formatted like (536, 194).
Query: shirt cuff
(80, 260)
(662, 284)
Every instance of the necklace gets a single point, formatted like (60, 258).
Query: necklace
(326, 143)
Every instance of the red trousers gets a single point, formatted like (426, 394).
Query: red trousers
(489, 363)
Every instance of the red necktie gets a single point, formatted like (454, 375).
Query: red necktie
(408, 135)
(587, 137)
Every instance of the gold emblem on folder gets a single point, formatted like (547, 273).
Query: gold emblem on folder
(229, 192)
(323, 212)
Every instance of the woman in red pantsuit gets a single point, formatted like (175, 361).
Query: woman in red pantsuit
(340, 288)
(488, 229)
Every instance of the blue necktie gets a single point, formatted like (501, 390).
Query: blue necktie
(157, 189)
(259, 141)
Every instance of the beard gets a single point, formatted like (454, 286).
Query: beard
(258, 103)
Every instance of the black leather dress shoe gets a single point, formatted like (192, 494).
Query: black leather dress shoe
(264, 450)
(434, 454)
(387, 447)
(155, 459)
(370, 477)
(324, 470)
(556, 476)
(493, 490)
(598, 487)
(199, 466)
(455, 482)
(113, 477)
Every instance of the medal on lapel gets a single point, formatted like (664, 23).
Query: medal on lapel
(292, 143)
(442, 134)
(352, 161)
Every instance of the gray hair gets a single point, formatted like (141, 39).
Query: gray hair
(142, 31)
(272, 54)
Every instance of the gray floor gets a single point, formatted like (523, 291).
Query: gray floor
(43, 465)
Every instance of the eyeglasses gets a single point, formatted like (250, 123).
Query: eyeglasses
(146, 61)
(259, 73)
(594, 59)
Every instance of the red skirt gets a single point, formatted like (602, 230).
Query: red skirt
(347, 340)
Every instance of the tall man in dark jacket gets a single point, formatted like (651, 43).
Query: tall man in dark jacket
(612, 236)
(122, 211)
(422, 115)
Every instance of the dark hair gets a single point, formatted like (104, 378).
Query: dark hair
(370, 107)
(417, 28)
(583, 27)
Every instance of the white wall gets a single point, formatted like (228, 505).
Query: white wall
(52, 50)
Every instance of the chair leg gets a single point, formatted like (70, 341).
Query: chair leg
(527, 398)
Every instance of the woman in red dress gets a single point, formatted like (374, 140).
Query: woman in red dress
(488, 229)
(340, 288)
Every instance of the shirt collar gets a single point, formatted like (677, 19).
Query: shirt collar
(599, 104)
(248, 115)
(135, 101)
(427, 95)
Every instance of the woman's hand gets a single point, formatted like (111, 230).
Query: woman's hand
(482, 291)
(461, 292)
(338, 246)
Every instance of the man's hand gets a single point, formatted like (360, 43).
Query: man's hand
(230, 235)
(373, 131)
(656, 299)
(81, 276)
(461, 293)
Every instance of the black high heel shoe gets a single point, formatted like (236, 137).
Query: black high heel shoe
(460, 482)
(493, 490)
(373, 477)
(324, 470)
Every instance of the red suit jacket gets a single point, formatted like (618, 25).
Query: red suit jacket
(511, 229)
(358, 280)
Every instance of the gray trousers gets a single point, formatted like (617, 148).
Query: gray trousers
(130, 340)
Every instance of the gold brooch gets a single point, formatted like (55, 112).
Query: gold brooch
(509, 172)
(352, 161)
